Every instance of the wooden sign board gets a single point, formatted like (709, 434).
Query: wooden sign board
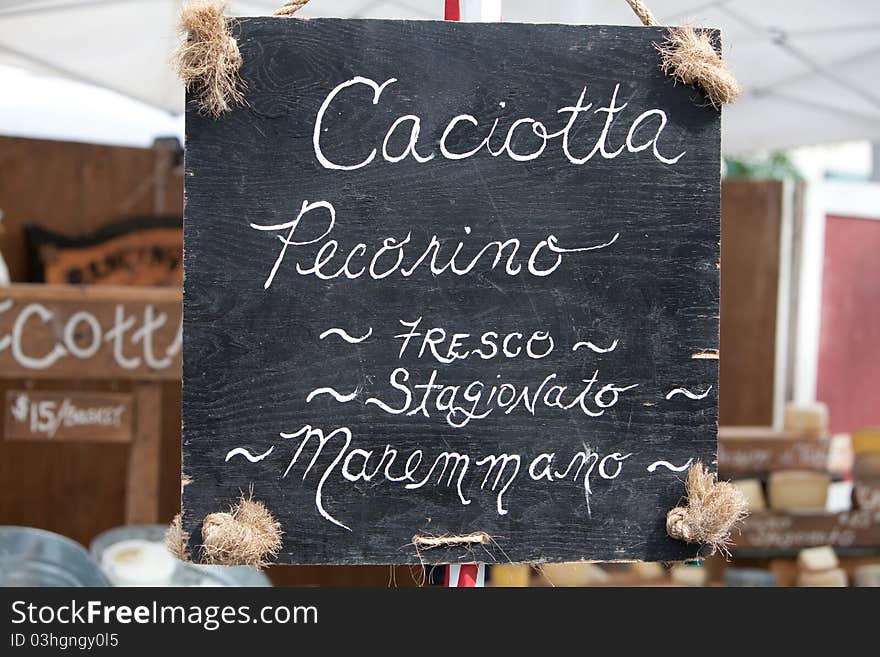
(781, 532)
(757, 451)
(141, 251)
(68, 416)
(452, 278)
(61, 332)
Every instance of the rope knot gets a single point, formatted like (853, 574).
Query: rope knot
(246, 535)
(677, 524)
(713, 510)
(208, 60)
(689, 56)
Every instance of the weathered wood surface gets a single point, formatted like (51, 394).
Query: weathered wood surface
(78, 489)
(74, 189)
(142, 482)
(256, 349)
(751, 234)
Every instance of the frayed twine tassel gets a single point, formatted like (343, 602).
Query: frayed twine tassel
(208, 61)
(177, 540)
(689, 56)
(713, 510)
(290, 7)
(246, 536)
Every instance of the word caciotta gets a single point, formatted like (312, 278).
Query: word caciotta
(468, 128)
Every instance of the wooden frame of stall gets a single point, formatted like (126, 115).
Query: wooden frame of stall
(57, 340)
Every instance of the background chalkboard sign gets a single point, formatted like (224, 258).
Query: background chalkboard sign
(344, 290)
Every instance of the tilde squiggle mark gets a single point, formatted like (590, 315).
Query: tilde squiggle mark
(666, 464)
(591, 346)
(551, 242)
(687, 393)
(345, 335)
(241, 451)
(338, 396)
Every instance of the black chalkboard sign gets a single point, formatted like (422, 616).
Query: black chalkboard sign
(446, 278)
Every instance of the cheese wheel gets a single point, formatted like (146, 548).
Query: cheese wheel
(866, 441)
(753, 491)
(807, 419)
(818, 558)
(798, 490)
(835, 577)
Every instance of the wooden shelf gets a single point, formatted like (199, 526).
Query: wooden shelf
(755, 452)
(773, 533)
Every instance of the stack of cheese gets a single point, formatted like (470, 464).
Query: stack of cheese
(801, 490)
(806, 485)
(819, 567)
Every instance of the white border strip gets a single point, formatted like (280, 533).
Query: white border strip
(480, 11)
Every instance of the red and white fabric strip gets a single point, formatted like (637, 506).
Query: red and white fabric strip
(473, 11)
(465, 575)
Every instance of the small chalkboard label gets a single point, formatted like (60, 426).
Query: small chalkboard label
(452, 278)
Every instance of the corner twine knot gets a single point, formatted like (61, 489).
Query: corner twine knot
(208, 61)
(689, 56)
(713, 509)
(248, 535)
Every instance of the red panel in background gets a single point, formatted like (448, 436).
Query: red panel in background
(849, 343)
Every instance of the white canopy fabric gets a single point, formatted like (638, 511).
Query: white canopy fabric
(55, 108)
(809, 67)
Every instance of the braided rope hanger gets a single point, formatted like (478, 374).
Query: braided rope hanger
(209, 60)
